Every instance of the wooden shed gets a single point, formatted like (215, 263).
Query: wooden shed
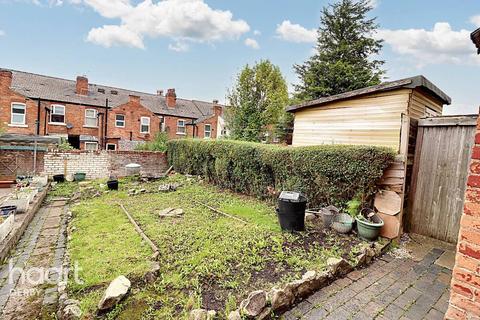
(368, 116)
(383, 115)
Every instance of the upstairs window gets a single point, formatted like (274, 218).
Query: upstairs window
(57, 114)
(144, 125)
(208, 131)
(18, 113)
(91, 119)
(181, 127)
(120, 120)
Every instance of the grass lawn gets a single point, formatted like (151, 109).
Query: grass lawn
(207, 260)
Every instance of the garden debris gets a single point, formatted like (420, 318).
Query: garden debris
(141, 233)
(219, 212)
(254, 304)
(171, 212)
(169, 187)
(115, 292)
(153, 274)
(310, 216)
(202, 314)
(72, 312)
(234, 315)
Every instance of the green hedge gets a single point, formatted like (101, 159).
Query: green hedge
(328, 174)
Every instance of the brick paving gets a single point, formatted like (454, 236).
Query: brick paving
(41, 247)
(389, 289)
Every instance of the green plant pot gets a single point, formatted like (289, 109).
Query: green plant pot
(368, 230)
(79, 176)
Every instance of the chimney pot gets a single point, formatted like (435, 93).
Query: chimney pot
(5, 79)
(215, 101)
(134, 98)
(171, 98)
(82, 85)
(160, 93)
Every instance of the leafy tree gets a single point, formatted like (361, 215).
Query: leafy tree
(258, 100)
(344, 60)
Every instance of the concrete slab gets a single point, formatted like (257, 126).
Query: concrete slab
(447, 259)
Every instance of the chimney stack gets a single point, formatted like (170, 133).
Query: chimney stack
(82, 85)
(160, 93)
(134, 98)
(171, 98)
(217, 109)
(5, 79)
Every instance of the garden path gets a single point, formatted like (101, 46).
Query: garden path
(30, 290)
(391, 288)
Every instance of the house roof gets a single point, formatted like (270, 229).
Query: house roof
(475, 36)
(411, 83)
(36, 86)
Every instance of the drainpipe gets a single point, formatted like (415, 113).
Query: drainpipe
(47, 112)
(105, 127)
(38, 117)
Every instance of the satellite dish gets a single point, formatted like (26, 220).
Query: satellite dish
(69, 126)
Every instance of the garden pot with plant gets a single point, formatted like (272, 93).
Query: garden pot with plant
(369, 224)
(79, 176)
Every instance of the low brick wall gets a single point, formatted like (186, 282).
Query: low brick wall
(102, 164)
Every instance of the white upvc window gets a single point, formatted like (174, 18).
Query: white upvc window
(91, 146)
(19, 111)
(181, 127)
(120, 120)
(91, 118)
(57, 114)
(111, 146)
(145, 125)
(208, 131)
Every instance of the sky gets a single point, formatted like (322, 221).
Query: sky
(199, 46)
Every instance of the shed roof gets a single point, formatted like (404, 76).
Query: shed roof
(475, 36)
(411, 83)
(36, 86)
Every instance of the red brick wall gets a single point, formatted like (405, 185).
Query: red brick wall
(171, 127)
(153, 163)
(465, 293)
(133, 111)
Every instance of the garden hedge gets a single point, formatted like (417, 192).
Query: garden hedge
(327, 174)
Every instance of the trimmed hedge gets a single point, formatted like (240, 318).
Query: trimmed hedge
(327, 174)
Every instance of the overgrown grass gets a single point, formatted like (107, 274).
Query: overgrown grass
(206, 259)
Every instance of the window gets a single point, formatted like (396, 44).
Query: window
(91, 146)
(111, 146)
(91, 119)
(208, 131)
(120, 120)
(181, 128)
(18, 114)
(57, 114)
(144, 125)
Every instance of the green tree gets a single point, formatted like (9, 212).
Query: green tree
(345, 52)
(258, 100)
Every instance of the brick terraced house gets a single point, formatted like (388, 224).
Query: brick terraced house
(92, 117)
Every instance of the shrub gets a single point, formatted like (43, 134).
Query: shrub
(327, 174)
(159, 143)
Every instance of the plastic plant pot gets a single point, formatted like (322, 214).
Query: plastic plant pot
(59, 178)
(369, 230)
(112, 184)
(342, 223)
(80, 176)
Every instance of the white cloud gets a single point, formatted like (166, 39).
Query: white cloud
(252, 43)
(111, 35)
(2, 33)
(475, 20)
(181, 20)
(257, 33)
(373, 3)
(179, 46)
(295, 33)
(439, 45)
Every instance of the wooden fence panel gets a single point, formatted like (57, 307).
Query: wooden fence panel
(444, 147)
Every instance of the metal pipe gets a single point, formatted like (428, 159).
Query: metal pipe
(106, 125)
